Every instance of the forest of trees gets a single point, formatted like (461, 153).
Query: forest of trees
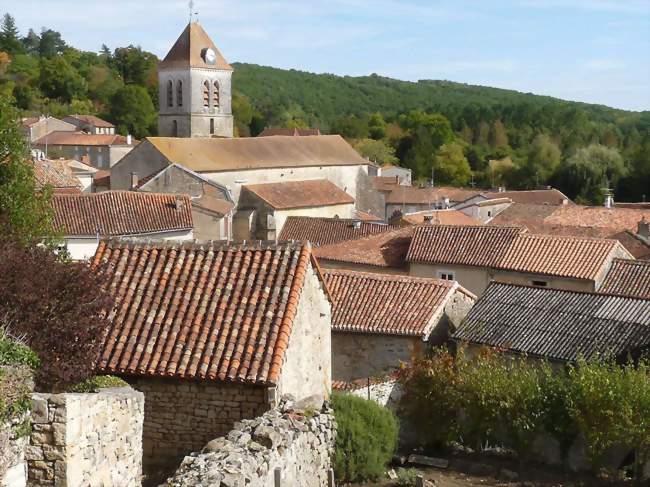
(458, 134)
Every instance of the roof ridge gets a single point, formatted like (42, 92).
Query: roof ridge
(389, 277)
(571, 291)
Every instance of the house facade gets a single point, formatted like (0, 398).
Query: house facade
(101, 151)
(91, 124)
(84, 219)
(212, 334)
(35, 128)
(380, 321)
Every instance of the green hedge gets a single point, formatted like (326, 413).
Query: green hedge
(366, 438)
(498, 399)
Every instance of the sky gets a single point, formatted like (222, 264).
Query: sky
(596, 51)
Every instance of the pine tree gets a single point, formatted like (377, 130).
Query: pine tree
(9, 40)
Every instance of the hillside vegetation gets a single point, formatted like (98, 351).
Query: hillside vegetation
(450, 132)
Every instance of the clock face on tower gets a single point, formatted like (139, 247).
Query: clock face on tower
(209, 56)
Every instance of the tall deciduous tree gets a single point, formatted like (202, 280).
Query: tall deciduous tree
(427, 133)
(51, 43)
(133, 112)
(543, 160)
(451, 165)
(375, 150)
(592, 168)
(58, 79)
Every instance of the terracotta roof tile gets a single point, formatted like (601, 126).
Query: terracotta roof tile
(535, 196)
(556, 324)
(325, 231)
(188, 49)
(201, 311)
(269, 132)
(300, 194)
(386, 249)
(91, 120)
(385, 183)
(464, 245)
(79, 138)
(628, 278)
(439, 217)
(115, 213)
(416, 195)
(55, 173)
(393, 305)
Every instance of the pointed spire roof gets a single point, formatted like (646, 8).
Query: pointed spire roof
(189, 49)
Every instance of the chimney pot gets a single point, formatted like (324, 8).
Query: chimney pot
(134, 180)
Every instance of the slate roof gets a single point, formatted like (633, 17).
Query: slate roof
(208, 311)
(464, 245)
(115, 213)
(386, 304)
(556, 324)
(79, 138)
(300, 194)
(386, 249)
(325, 231)
(628, 278)
(228, 154)
(188, 48)
(513, 249)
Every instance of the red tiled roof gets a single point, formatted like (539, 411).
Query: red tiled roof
(511, 249)
(386, 304)
(188, 48)
(201, 311)
(386, 249)
(550, 196)
(79, 138)
(92, 120)
(367, 217)
(421, 196)
(464, 245)
(114, 213)
(300, 194)
(385, 183)
(285, 131)
(628, 278)
(55, 173)
(440, 217)
(325, 231)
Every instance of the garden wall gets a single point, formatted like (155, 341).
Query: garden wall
(86, 439)
(287, 446)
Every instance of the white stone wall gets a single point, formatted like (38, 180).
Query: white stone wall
(385, 394)
(290, 442)
(340, 211)
(92, 439)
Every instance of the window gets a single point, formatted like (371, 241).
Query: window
(215, 94)
(489, 214)
(206, 94)
(170, 94)
(212, 126)
(179, 94)
(446, 275)
(174, 128)
(540, 283)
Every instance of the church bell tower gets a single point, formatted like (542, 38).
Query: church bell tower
(194, 88)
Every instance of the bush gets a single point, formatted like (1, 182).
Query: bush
(60, 308)
(366, 438)
(13, 353)
(17, 362)
(406, 477)
(97, 382)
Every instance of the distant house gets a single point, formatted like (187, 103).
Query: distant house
(476, 255)
(556, 325)
(623, 224)
(412, 199)
(103, 151)
(236, 162)
(212, 204)
(213, 333)
(403, 174)
(380, 321)
(436, 217)
(383, 253)
(628, 278)
(83, 219)
(34, 128)
(91, 124)
(295, 132)
(57, 175)
(263, 208)
(483, 210)
(325, 231)
(102, 181)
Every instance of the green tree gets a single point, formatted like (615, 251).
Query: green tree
(592, 168)
(9, 38)
(242, 112)
(375, 150)
(133, 112)
(376, 126)
(25, 213)
(58, 79)
(451, 166)
(51, 43)
(31, 42)
(498, 136)
(427, 133)
(134, 64)
(350, 127)
(543, 160)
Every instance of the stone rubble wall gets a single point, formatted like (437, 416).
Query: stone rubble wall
(293, 442)
(92, 439)
(13, 466)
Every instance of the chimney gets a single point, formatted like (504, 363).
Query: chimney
(428, 218)
(356, 224)
(446, 202)
(177, 203)
(128, 139)
(134, 180)
(643, 228)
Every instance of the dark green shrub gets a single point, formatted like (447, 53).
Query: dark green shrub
(366, 438)
(14, 353)
(97, 382)
(406, 477)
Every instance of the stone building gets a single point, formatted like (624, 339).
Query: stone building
(476, 255)
(213, 333)
(91, 124)
(194, 86)
(35, 128)
(379, 321)
(326, 231)
(265, 207)
(212, 205)
(83, 219)
(253, 160)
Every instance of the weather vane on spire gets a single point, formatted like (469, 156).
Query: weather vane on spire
(191, 5)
